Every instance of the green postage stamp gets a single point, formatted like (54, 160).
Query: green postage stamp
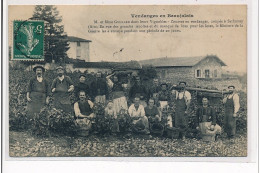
(28, 40)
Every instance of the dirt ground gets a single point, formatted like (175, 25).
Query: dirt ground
(23, 144)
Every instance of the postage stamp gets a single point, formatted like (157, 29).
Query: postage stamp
(28, 40)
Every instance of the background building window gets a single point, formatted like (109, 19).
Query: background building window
(215, 73)
(198, 73)
(206, 73)
(78, 53)
(78, 44)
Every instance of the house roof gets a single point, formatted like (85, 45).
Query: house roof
(77, 39)
(178, 61)
(110, 65)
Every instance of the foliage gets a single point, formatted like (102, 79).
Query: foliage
(50, 121)
(23, 144)
(55, 40)
(124, 120)
(18, 84)
(102, 122)
(148, 72)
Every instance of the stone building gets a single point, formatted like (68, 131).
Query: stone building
(79, 48)
(204, 67)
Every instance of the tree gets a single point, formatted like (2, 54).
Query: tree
(55, 40)
(148, 72)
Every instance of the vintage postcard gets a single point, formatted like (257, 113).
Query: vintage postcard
(127, 81)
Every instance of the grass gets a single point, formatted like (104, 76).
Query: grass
(23, 144)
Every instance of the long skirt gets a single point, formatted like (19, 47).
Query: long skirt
(62, 101)
(120, 103)
(100, 99)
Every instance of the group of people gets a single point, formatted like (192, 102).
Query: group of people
(144, 106)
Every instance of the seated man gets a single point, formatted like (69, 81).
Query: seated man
(206, 119)
(137, 114)
(152, 113)
(84, 113)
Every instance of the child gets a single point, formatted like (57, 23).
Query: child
(110, 114)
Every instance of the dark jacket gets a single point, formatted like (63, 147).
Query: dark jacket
(62, 86)
(164, 95)
(35, 86)
(82, 87)
(154, 89)
(138, 89)
(99, 87)
(206, 114)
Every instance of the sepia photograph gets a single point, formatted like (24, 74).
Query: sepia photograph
(127, 81)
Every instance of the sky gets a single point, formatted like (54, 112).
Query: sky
(229, 44)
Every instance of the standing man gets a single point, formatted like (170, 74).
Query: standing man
(182, 102)
(37, 92)
(164, 98)
(82, 86)
(61, 88)
(99, 89)
(206, 118)
(231, 103)
(155, 88)
(138, 89)
(137, 114)
(84, 113)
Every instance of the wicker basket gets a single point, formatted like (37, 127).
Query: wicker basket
(208, 137)
(83, 133)
(157, 129)
(206, 134)
(173, 132)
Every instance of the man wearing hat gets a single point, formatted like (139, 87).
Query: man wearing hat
(37, 92)
(231, 103)
(82, 86)
(182, 103)
(61, 88)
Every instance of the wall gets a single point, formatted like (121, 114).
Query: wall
(175, 74)
(83, 50)
(69, 68)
